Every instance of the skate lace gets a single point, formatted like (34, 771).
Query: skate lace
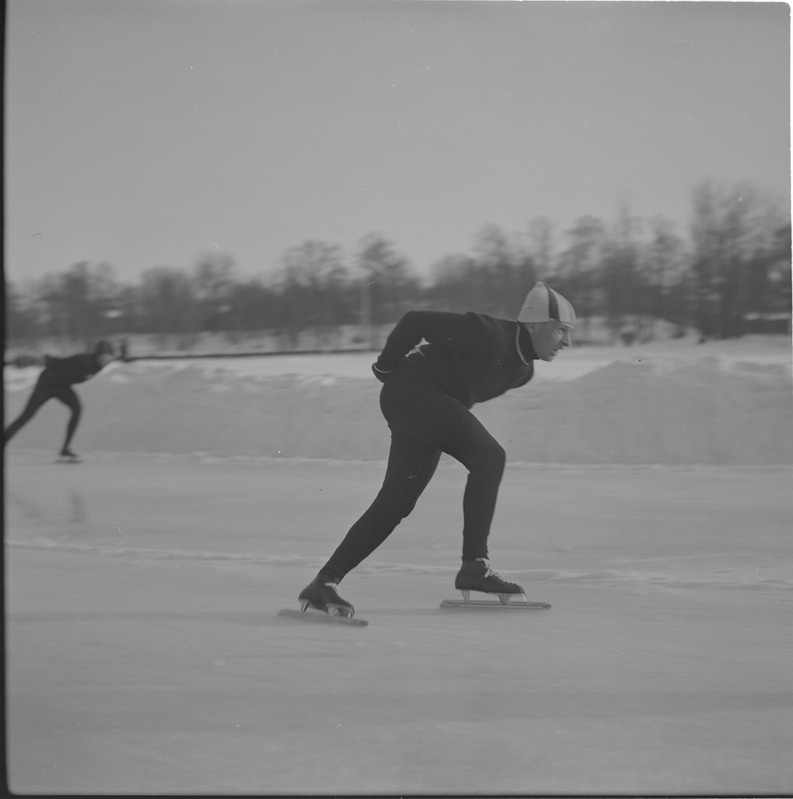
(491, 572)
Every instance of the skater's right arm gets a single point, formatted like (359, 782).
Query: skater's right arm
(457, 331)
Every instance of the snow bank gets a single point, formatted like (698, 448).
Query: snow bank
(667, 404)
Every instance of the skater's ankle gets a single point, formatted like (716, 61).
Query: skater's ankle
(324, 576)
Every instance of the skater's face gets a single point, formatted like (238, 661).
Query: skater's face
(549, 337)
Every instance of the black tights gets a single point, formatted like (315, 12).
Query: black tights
(424, 423)
(40, 395)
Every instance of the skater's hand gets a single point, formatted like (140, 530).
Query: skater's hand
(380, 374)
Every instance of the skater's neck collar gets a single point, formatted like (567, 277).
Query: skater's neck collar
(523, 344)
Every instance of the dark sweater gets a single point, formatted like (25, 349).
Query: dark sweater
(472, 357)
(60, 373)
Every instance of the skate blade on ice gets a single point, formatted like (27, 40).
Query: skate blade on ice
(312, 614)
(63, 459)
(504, 602)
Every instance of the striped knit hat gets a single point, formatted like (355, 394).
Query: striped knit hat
(543, 304)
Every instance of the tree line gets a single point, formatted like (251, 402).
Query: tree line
(734, 266)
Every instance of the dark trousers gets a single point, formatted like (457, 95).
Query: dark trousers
(43, 393)
(425, 422)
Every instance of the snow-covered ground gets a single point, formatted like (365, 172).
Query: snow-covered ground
(670, 403)
(648, 499)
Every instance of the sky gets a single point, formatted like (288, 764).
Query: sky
(144, 133)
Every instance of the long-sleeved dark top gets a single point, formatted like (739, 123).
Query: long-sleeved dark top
(60, 373)
(473, 357)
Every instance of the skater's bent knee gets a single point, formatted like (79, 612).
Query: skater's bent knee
(398, 509)
(493, 459)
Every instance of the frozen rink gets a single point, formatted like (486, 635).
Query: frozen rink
(143, 650)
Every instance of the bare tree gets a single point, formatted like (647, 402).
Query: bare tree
(168, 301)
(729, 226)
(213, 283)
(391, 285)
(541, 237)
(309, 273)
(664, 263)
(578, 267)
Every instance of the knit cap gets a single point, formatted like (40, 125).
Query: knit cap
(543, 304)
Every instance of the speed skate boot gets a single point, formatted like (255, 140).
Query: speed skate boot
(321, 594)
(478, 575)
(66, 455)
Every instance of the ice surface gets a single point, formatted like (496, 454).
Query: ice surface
(144, 654)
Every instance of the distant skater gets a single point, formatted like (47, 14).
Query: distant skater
(428, 391)
(56, 382)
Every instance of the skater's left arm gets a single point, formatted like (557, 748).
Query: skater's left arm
(457, 331)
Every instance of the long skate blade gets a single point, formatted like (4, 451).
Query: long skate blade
(68, 460)
(321, 616)
(487, 604)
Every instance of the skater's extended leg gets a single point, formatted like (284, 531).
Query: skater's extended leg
(36, 400)
(411, 465)
(69, 398)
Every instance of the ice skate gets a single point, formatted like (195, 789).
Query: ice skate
(67, 456)
(478, 575)
(320, 594)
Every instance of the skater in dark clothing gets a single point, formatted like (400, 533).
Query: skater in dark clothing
(56, 382)
(429, 389)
